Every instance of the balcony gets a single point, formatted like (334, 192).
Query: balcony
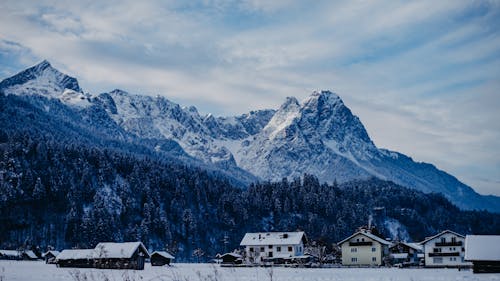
(452, 254)
(448, 244)
(363, 243)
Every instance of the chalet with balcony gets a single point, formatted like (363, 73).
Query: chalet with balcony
(446, 249)
(484, 253)
(364, 249)
(274, 247)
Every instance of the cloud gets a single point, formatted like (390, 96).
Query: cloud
(423, 76)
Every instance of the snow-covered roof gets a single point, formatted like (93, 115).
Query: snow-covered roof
(272, 238)
(482, 248)
(10, 253)
(30, 254)
(76, 254)
(232, 255)
(369, 235)
(54, 253)
(163, 254)
(118, 250)
(439, 234)
(416, 246)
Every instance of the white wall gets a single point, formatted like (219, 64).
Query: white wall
(443, 261)
(362, 255)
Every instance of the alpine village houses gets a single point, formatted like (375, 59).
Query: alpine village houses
(273, 246)
(363, 248)
(445, 249)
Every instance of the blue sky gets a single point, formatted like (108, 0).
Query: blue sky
(423, 76)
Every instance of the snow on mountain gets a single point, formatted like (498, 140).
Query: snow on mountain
(44, 80)
(318, 136)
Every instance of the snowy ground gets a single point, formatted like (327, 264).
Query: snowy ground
(39, 271)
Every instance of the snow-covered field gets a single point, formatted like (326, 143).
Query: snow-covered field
(39, 271)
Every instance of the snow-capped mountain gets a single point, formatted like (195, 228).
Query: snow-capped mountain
(318, 136)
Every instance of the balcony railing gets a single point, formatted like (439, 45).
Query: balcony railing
(363, 243)
(448, 244)
(452, 254)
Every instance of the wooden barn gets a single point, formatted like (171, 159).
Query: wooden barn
(484, 253)
(231, 258)
(128, 255)
(159, 258)
(28, 255)
(75, 258)
(50, 256)
(10, 255)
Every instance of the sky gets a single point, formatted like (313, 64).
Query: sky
(423, 76)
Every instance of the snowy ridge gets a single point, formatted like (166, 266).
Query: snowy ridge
(318, 136)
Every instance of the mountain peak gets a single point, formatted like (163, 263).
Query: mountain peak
(40, 79)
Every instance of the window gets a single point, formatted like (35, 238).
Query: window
(374, 249)
(354, 259)
(278, 249)
(453, 259)
(357, 239)
(251, 249)
(354, 250)
(363, 239)
(443, 240)
(453, 239)
(270, 246)
(270, 254)
(438, 260)
(262, 249)
(290, 248)
(374, 259)
(300, 249)
(437, 250)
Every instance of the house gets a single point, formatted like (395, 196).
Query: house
(484, 253)
(273, 246)
(159, 258)
(231, 258)
(128, 255)
(364, 249)
(28, 255)
(50, 256)
(405, 253)
(10, 255)
(445, 249)
(75, 258)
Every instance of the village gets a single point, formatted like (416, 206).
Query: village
(363, 249)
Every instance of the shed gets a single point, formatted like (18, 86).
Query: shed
(10, 255)
(231, 258)
(484, 253)
(128, 255)
(75, 258)
(50, 256)
(29, 255)
(159, 258)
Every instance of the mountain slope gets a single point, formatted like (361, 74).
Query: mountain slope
(319, 136)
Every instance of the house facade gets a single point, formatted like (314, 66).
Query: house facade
(446, 249)
(364, 249)
(273, 246)
(484, 253)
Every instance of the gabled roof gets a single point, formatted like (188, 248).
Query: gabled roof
(482, 248)
(232, 255)
(369, 235)
(76, 254)
(273, 238)
(415, 246)
(439, 234)
(10, 253)
(118, 250)
(54, 253)
(30, 254)
(163, 254)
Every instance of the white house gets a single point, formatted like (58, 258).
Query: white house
(484, 252)
(445, 249)
(364, 249)
(267, 246)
